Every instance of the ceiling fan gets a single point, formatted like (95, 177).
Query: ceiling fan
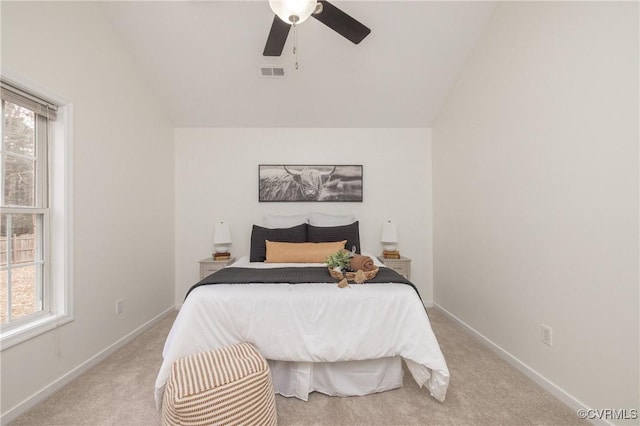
(294, 12)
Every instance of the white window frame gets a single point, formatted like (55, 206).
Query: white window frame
(59, 288)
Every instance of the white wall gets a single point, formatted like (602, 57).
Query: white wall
(217, 179)
(535, 158)
(123, 178)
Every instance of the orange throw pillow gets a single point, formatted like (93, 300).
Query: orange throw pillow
(278, 252)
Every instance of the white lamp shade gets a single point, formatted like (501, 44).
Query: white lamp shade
(222, 237)
(389, 237)
(293, 11)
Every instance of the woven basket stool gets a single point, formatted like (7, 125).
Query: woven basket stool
(227, 386)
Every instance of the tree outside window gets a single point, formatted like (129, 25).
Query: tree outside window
(22, 218)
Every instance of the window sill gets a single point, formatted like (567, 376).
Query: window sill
(14, 336)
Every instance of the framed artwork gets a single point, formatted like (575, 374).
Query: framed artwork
(296, 182)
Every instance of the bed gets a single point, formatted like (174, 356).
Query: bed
(315, 335)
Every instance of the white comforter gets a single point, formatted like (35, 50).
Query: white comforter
(310, 323)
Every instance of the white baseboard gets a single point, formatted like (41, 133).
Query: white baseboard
(58, 384)
(564, 397)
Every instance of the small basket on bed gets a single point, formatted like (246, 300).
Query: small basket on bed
(351, 276)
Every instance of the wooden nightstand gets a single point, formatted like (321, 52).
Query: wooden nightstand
(401, 266)
(208, 266)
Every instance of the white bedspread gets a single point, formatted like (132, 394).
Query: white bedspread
(310, 323)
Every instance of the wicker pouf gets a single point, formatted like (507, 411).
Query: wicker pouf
(227, 386)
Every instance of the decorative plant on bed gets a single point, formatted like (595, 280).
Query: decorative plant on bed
(339, 261)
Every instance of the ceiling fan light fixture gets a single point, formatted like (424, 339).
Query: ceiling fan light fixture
(293, 11)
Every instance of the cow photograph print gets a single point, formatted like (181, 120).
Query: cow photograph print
(309, 183)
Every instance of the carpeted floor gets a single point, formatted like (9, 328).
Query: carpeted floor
(484, 390)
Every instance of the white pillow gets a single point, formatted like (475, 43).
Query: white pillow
(277, 221)
(320, 219)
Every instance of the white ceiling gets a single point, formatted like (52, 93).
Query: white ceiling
(202, 58)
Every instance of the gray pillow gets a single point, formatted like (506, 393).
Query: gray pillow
(258, 251)
(327, 234)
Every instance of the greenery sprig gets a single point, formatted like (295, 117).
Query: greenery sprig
(339, 260)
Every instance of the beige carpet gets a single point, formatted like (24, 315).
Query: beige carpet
(484, 390)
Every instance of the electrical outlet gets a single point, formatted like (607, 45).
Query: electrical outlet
(119, 306)
(545, 335)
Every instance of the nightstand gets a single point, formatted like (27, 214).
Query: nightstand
(208, 266)
(401, 266)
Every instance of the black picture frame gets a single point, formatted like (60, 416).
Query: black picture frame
(309, 182)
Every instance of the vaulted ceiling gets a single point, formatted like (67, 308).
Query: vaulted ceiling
(203, 59)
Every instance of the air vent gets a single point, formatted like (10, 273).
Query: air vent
(272, 72)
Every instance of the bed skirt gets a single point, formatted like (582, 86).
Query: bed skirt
(346, 378)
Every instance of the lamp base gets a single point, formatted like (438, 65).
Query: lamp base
(222, 248)
(389, 247)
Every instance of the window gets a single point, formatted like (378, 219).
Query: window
(34, 291)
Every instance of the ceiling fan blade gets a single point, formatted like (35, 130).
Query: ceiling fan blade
(277, 37)
(342, 23)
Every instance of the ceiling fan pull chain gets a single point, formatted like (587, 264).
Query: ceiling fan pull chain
(295, 44)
